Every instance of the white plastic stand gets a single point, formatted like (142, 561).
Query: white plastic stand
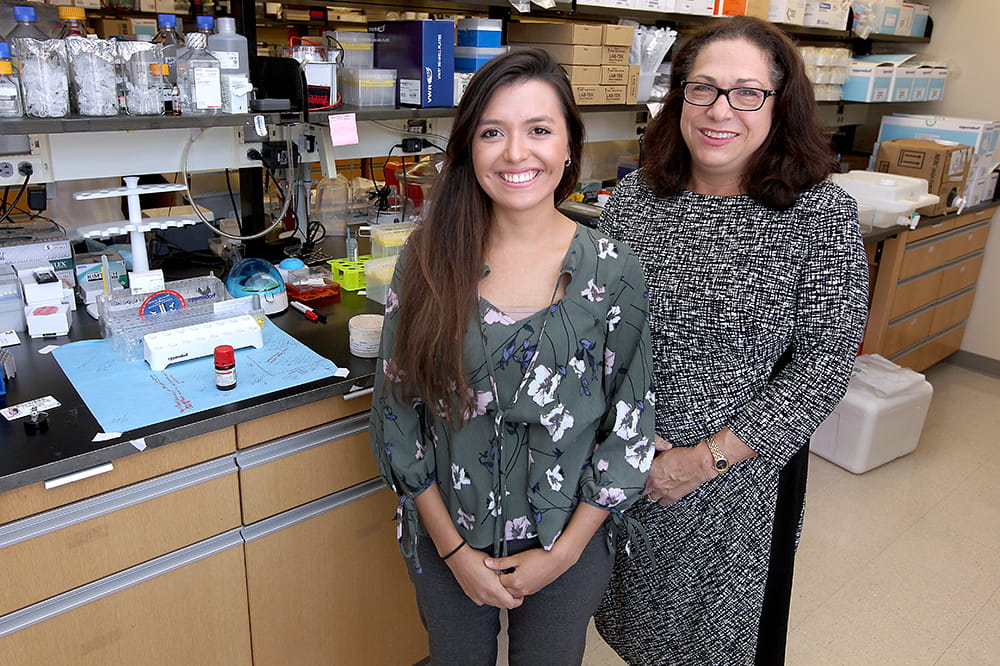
(136, 225)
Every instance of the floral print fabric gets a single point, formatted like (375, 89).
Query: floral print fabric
(567, 390)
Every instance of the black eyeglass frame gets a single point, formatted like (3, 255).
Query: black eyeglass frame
(725, 91)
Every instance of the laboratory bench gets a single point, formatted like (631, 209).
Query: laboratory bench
(255, 533)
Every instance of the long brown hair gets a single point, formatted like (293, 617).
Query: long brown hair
(794, 156)
(444, 256)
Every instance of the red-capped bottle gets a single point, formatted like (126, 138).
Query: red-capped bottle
(225, 368)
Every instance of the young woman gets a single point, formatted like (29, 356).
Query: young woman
(512, 410)
(758, 293)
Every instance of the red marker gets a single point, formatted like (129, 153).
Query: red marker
(310, 314)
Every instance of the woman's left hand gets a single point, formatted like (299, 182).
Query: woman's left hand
(676, 472)
(530, 570)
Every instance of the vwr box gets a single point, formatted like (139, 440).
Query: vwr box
(880, 418)
(423, 55)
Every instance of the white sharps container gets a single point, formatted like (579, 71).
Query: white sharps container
(880, 418)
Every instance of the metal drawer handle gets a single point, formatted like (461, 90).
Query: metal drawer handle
(360, 393)
(78, 476)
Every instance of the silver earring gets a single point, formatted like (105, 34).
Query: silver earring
(567, 163)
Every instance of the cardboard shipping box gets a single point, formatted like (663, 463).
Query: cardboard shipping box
(584, 75)
(555, 33)
(944, 165)
(569, 54)
(756, 8)
(618, 35)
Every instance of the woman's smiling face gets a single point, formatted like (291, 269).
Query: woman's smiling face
(521, 146)
(720, 139)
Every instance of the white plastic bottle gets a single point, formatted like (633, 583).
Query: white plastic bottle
(10, 96)
(199, 79)
(230, 49)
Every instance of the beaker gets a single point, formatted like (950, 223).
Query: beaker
(331, 206)
(143, 77)
(44, 77)
(92, 74)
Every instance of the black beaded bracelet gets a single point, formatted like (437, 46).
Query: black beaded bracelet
(457, 548)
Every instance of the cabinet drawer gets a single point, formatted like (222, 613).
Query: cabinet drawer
(932, 351)
(327, 584)
(966, 242)
(186, 608)
(906, 332)
(287, 473)
(972, 218)
(921, 259)
(299, 418)
(27, 500)
(959, 276)
(915, 294)
(79, 543)
(930, 230)
(952, 311)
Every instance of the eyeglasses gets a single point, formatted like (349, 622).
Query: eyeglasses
(740, 99)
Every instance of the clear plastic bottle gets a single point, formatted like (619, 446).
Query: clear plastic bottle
(24, 18)
(5, 56)
(74, 22)
(10, 96)
(199, 78)
(230, 49)
(332, 204)
(168, 38)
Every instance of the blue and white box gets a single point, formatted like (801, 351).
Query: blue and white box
(982, 135)
(902, 76)
(867, 82)
(471, 58)
(479, 32)
(935, 87)
(831, 14)
(888, 13)
(921, 12)
(423, 55)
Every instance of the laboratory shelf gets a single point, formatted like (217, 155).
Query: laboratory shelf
(126, 123)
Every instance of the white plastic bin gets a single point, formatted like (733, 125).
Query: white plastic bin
(894, 198)
(880, 419)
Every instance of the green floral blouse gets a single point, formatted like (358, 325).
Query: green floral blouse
(563, 409)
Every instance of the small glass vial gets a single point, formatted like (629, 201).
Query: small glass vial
(199, 77)
(10, 97)
(225, 368)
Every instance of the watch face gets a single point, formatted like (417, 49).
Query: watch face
(721, 465)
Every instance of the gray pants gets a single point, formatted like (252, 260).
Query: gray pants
(549, 628)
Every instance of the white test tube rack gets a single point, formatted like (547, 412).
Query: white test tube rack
(136, 225)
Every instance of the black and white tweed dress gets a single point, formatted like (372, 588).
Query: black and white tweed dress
(733, 285)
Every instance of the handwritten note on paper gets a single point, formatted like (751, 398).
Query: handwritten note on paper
(343, 129)
(125, 395)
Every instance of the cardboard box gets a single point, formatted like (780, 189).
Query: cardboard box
(632, 85)
(87, 4)
(905, 23)
(618, 35)
(143, 26)
(588, 94)
(32, 243)
(887, 16)
(569, 54)
(106, 28)
(584, 75)
(423, 55)
(982, 135)
(758, 8)
(921, 84)
(89, 278)
(830, 14)
(699, 7)
(787, 11)
(555, 33)
(945, 167)
(614, 55)
(613, 94)
(921, 12)
(614, 75)
(867, 82)
(147, 6)
(904, 74)
(936, 85)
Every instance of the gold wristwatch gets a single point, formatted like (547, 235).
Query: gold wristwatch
(719, 464)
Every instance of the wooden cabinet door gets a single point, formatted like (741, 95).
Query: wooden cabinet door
(327, 585)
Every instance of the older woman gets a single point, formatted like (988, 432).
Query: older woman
(757, 288)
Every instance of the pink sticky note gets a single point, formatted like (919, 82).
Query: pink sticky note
(343, 129)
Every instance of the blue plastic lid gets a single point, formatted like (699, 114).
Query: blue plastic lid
(204, 22)
(291, 264)
(166, 20)
(24, 13)
(4, 50)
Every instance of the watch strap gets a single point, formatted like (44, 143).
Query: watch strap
(719, 461)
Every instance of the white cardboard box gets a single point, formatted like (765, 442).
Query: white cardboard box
(866, 430)
(787, 11)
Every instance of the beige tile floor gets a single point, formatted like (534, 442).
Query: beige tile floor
(901, 565)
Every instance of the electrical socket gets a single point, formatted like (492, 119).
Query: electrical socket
(6, 169)
(417, 126)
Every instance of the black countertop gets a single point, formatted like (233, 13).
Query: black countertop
(66, 446)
